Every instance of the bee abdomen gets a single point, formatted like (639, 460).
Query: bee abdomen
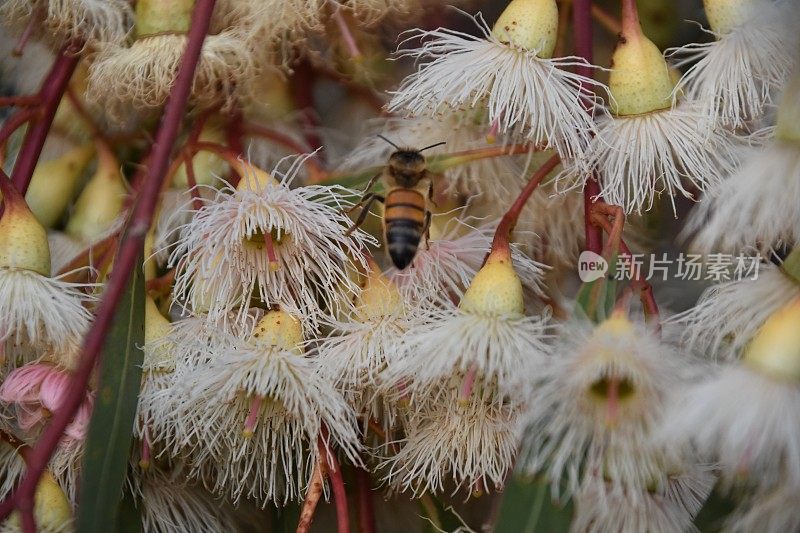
(404, 217)
(402, 240)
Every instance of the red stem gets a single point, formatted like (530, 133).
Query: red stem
(503, 233)
(638, 283)
(129, 254)
(334, 471)
(20, 101)
(52, 91)
(366, 511)
(11, 125)
(582, 26)
(234, 137)
(191, 180)
(302, 86)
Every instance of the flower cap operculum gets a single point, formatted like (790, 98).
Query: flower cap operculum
(279, 329)
(162, 16)
(157, 328)
(253, 178)
(529, 24)
(775, 349)
(640, 80)
(379, 296)
(100, 203)
(54, 182)
(23, 241)
(496, 288)
(51, 509)
(726, 15)
(788, 124)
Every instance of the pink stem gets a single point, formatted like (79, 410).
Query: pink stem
(630, 18)
(52, 91)
(129, 255)
(19, 49)
(468, 384)
(347, 35)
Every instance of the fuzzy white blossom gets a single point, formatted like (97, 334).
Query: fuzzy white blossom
(265, 240)
(750, 58)
(523, 88)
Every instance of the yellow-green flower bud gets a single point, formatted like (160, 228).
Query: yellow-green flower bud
(725, 15)
(775, 349)
(379, 297)
(23, 240)
(51, 508)
(529, 24)
(162, 16)
(54, 182)
(100, 203)
(788, 125)
(279, 329)
(496, 288)
(208, 167)
(640, 80)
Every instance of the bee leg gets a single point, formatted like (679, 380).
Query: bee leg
(430, 196)
(368, 200)
(364, 199)
(426, 229)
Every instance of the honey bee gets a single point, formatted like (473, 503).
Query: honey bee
(409, 187)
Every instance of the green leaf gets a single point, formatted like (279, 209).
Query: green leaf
(285, 519)
(596, 299)
(128, 518)
(527, 508)
(108, 441)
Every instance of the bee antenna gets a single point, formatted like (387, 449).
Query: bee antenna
(388, 141)
(433, 146)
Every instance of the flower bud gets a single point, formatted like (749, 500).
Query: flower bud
(279, 329)
(788, 125)
(23, 240)
(51, 509)
(100, 202)
(207, 166)
(150, 262)
(775, 349)
(379, 297)
(156, 328)
(529, 24)
(54, 182)
(253, 178)
(640, 80)
(162, 16)
(725, 15)
(496, 288)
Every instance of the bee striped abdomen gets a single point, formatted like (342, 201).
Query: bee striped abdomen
(404, 219)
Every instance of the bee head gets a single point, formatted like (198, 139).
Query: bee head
(407, 166)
